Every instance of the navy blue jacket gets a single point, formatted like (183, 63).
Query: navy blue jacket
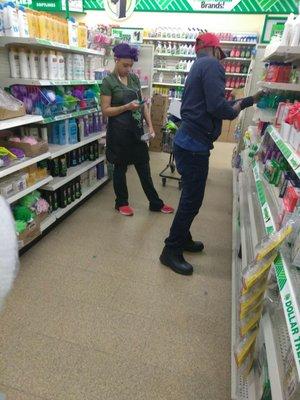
(204, 105)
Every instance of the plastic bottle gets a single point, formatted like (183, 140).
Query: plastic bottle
(52, 65)
(44, 70)
(24, 63)
(82, 35)
(1, 20)
(295, 34)
(41, 22)
(73, 32)
(34, 65)
(232, 67)
(72, 131)
(287, 32)
(169, 48)
(161, 78)
(248, 52)
(232, 53)
(14, 62)
(238, 68)
(12, 25)
(23, 22)
(61, 66)
(69, 66)
(158, 49)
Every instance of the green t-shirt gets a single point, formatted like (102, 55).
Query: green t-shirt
(112, 86)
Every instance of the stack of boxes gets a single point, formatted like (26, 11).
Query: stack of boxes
(159, 111)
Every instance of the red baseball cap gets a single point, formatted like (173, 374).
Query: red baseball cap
(205, 40)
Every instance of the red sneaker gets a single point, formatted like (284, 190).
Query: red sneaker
(126, 210)
(167, 209)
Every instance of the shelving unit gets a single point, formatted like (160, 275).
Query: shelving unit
(49, 183)
(163, 58)
(288, 87)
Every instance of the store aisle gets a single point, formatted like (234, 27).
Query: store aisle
(94, 316)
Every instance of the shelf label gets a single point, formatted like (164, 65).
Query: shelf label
(47, 5)
(291, 312)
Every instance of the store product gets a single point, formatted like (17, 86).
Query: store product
(10, 18)
(23, 22)
(34, 64)
(24, 63)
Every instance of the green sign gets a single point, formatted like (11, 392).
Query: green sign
(232, 6)
(47, 5)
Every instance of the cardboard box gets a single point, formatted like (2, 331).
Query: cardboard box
(158, 130)
(8, 114)
(32, 231)
(155, 145)
(158, 115)
(160, 100)
(30, 151)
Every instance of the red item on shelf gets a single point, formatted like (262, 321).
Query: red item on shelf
(232, 68)
(290, 199)
(238, 68)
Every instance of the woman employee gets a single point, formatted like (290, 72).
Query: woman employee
(121, 102)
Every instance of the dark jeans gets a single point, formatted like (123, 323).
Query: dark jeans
(144, 173)
(193, 168)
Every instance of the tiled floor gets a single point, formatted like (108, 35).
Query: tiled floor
(94, 316)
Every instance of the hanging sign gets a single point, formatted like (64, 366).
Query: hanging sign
(47, 5)
(128, 35)
(74, 5)
(230, 6)
(119, 9)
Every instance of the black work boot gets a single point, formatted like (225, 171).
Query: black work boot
(193, 247)
(176, 262)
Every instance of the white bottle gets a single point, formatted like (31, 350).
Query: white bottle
(287, 33)
(23, 22)
(1, 20)
(14, 62)
(296, 32)
(44, 70)
(184, 65)
(158, 48)
(69, 67)
(12, 27)
(73, 32)
(178, 78)
(61, 66)
(161, 78)
(24, 63)
(52, 65)
(34, 64)
(81, 63)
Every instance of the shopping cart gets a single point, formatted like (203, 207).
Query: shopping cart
(169, 132)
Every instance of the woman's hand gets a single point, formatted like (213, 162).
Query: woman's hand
(132, 106)
(151, 132)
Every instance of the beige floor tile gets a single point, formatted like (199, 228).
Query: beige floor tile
(94, 315)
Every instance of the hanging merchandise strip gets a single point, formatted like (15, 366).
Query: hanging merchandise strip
(283, 274)
(233, 6)
(287, 151)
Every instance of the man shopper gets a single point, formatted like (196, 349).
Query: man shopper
(203, 108)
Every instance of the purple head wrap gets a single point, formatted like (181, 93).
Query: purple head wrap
(123, 50)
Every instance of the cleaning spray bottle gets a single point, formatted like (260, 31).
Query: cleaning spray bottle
(296, 32)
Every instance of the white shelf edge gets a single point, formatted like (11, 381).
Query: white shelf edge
(20, 121)
(144, 87)
(290, 87)
(47, 222)
(9, 40)
(57, 150)
(28, 190)
(73, 172)
(61, 211)
(49, 82)
(183, 40)
(273, 360)
(18, 165)
(62, 117)
(168, 84)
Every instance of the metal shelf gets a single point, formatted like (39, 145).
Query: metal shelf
(20, 121)
(74, 114)
(57, 150)
(282, 53)
(36, 42)
(168, 84)
(40, 82)
(72, 173)
(288, 152)
(182, 40)
(171, 70)
(289, 87)
(288, 277)
(61, 211)
(28, 190)
(17, 165)
(175, 55)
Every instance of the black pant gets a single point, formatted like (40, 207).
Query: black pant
(144, 173)
(193, 168)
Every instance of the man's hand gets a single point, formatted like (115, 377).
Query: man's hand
(134, 105)
(257, 96)
(237, 106)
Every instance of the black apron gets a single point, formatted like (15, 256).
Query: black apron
(124, 145)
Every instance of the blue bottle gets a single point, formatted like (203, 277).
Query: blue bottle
(62, 137)
(73, 131)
